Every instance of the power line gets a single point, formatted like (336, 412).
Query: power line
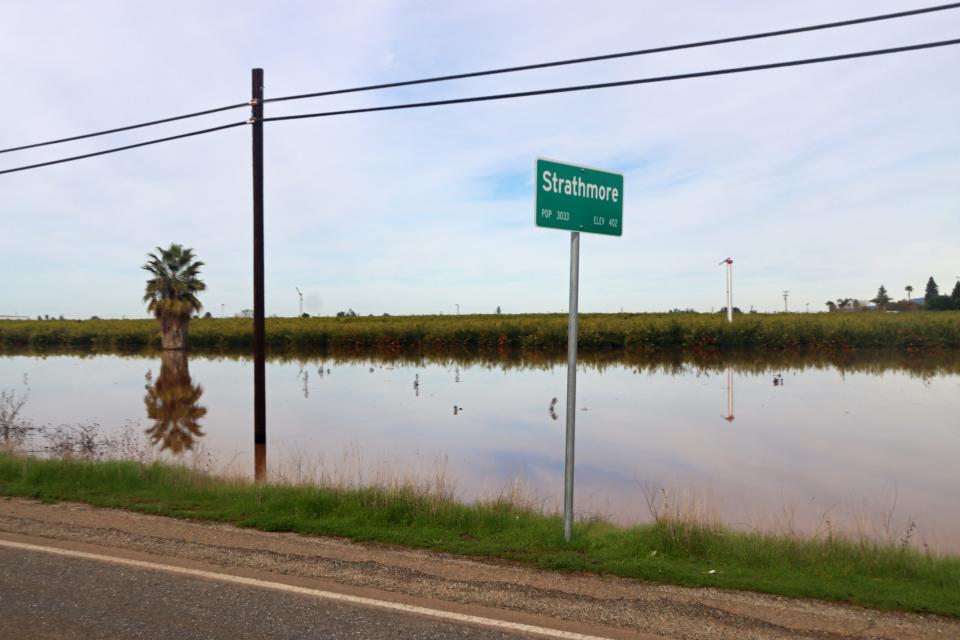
(126, 147)
(625, 54)
(522, 94)
(623, 83)
(127, 128)
(474, 74)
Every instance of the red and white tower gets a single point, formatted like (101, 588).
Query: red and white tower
(729, 263)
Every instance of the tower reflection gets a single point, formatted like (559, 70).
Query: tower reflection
(172, 403)
(729, 416)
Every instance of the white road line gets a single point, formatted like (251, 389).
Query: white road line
(316, 593)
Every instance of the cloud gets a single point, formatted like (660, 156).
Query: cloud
(824, 180)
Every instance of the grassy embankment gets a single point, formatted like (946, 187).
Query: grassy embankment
(930, 331)
(673, 549)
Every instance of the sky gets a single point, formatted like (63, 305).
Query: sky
(826, 180)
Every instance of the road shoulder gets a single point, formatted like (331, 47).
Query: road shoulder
(596, 605)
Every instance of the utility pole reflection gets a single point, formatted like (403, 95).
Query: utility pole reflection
(260, 419)
(260, 462)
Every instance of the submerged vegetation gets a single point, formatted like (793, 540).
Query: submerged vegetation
(675, 548)
(530, 333)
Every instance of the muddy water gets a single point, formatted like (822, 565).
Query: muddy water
(810, 448)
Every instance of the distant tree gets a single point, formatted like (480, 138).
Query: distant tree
(831, 306)
(39, 317)
(305, 315)
(909, 290)
(61, 317)
(882, 299)
(208, 315)
(94, 317)
(723, 311)
(498, 309)
(940, 303)
(901, 305)
(933, 291)
(171, 292)
(933, 301)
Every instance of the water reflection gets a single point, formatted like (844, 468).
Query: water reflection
(852, 430)
(304, 375)
(729, 416)
(675, 362)
(260, 461)
(173, 404)
(922, 365)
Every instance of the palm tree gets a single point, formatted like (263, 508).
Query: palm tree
(171, 292)
(909, 290)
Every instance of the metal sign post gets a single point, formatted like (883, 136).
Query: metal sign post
(571, 385)
(575, 198)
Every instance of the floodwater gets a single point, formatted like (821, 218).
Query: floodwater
(814, 448)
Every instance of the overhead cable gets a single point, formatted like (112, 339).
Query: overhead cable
(622, 83)
(626, 54)
(543, 65)
(124, 148)
(126, 128)
(520, 94)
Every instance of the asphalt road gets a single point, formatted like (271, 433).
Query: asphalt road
(44, 596)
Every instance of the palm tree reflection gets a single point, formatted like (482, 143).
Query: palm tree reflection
(172, 404)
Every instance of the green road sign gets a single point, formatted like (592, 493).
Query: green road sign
(578, 198)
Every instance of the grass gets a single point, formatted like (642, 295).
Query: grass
(674, 549)
(630, 333)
